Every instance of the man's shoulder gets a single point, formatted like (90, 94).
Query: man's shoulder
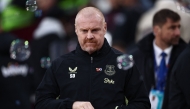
(182, 43)
(179, 47)
(64, 58)
(116, 52)
(145, 45)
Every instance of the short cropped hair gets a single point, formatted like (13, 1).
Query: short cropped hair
(161, 17)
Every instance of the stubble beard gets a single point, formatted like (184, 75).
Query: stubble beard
(175, 41)
(90, 50)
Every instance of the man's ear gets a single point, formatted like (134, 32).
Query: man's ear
(105, 27)
(156, 29)
(75, 29)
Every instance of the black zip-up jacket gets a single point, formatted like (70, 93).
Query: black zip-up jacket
(78, 76)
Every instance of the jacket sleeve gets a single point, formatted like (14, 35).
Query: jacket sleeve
(47, 92)
(135, 91)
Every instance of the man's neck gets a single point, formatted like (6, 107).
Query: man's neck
(161, 44)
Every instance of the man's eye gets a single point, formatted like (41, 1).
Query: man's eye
(95, 30)
(84, 31)
(172, 27)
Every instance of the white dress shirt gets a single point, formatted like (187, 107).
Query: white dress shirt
(158, 51)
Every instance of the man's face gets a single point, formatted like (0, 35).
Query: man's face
(170, 32)
(90, 32)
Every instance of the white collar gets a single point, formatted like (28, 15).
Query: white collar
(158, 51)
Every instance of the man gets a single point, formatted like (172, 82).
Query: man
(16, 77)
(88, 78)
(144, 25)
(156, 69)
(179, 97)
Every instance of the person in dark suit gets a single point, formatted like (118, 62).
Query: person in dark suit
(166, 40)
(179, 97)
(16, 76)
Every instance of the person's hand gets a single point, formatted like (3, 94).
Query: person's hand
(82, 105)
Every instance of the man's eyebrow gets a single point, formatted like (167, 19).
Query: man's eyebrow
(83, 29)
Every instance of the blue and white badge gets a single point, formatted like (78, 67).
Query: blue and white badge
(156, 99)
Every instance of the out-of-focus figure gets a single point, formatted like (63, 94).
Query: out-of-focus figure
(156, 54)
(16, 77)
(179, 97)
(145, 24)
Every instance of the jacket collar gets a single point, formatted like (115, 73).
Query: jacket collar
(146, 43)
(146, 46)
(103, 51)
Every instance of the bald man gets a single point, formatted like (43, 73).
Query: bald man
(88, 77)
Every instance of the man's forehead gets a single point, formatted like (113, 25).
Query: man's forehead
(89, 25)
(89, 12)
(93, 21)
(171, 20)
(88, 16)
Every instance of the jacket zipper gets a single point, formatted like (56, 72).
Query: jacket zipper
(91, 59)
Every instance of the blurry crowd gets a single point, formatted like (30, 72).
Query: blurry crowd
(51, 33)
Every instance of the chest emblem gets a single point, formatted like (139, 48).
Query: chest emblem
(72, 70)
(109, 70)
(72, 75)
(106, 80)
(98, 69)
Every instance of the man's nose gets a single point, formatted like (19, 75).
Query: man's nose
(90, 35)
(177, 32)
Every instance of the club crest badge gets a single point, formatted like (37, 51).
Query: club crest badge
(109, 70)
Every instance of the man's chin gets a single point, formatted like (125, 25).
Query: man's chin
(90, 50)
(176, 43)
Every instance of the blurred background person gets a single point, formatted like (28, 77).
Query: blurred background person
(156, 54)
(126, 23)
(16, 77)
(144, 25)
(49, 28)
(179, 97)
